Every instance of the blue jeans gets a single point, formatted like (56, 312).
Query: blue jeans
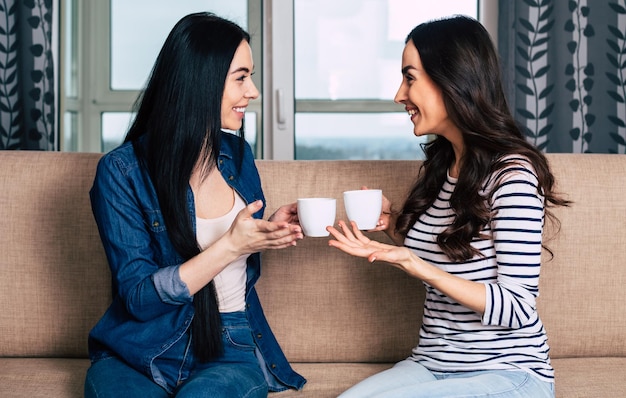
(409, 379)
(235, 374)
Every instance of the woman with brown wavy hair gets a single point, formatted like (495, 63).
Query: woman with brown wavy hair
(470, 229)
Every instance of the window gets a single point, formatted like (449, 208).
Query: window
(327, 70)
(348, 53)
(100, 86)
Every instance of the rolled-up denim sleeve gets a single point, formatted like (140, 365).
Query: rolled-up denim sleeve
(170, 287)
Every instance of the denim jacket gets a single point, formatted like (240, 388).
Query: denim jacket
(152, 308)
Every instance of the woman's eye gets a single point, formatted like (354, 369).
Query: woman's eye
(243, 77)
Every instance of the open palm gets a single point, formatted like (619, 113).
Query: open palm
(353, 242)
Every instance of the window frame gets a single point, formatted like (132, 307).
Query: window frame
(281, 107)
(91, 34)
(273, 51)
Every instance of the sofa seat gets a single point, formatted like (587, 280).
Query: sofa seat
(573, 381)
(59, 377)
(42, 377)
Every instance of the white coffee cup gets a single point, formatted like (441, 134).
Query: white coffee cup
(316, 214)
(363, 206)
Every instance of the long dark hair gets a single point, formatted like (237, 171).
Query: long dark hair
(179, 112)
(459, 57)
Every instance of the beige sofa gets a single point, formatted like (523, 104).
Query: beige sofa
(338, 318)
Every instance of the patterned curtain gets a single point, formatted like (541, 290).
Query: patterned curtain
(27, 100)
(565, 65)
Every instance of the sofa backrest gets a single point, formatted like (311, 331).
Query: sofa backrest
(328, 306)
(323, 305)
(54, 278)
(583, 289)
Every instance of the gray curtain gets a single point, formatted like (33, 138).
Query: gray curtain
(565, 68)
(27, 101)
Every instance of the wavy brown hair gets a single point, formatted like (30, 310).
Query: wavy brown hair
(459, 57)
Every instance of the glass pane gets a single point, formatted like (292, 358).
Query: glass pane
(70, 132)
(351, 49)
(249, 127)
(70, 58)
(114, 128)
(356, 136)
(134, 48)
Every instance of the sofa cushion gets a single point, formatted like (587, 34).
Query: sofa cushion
(54, 278)
(590, 377)
(42, 377)
(49, 377)
(327, 306)
(582, 291)
(327, 380)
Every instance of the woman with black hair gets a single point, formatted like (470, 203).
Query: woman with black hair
(470, 229)
(179, 209)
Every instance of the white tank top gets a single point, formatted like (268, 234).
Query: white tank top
(230, 284)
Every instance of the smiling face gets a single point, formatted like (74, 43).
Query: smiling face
(422, 98)
(239, 88)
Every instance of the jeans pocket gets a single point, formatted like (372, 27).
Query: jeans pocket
(239, 338)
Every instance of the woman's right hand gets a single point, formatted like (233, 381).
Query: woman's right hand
(385, 214)
(249, 235)
(246, 235)
(387, 221)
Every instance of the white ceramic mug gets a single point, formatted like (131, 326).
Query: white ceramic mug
(363, 206)
(316, 214)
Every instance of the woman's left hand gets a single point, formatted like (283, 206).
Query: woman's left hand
(287, 213)
(353, 242)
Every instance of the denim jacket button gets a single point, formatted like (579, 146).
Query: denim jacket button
(259, 335)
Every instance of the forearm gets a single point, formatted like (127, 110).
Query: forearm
(198, 271)
(467, 293)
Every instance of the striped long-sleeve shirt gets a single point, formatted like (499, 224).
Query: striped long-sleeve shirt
(509, 335)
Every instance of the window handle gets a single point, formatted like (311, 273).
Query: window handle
(280, 108)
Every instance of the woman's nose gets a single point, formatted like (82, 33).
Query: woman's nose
(252, 92)
(400, 95)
